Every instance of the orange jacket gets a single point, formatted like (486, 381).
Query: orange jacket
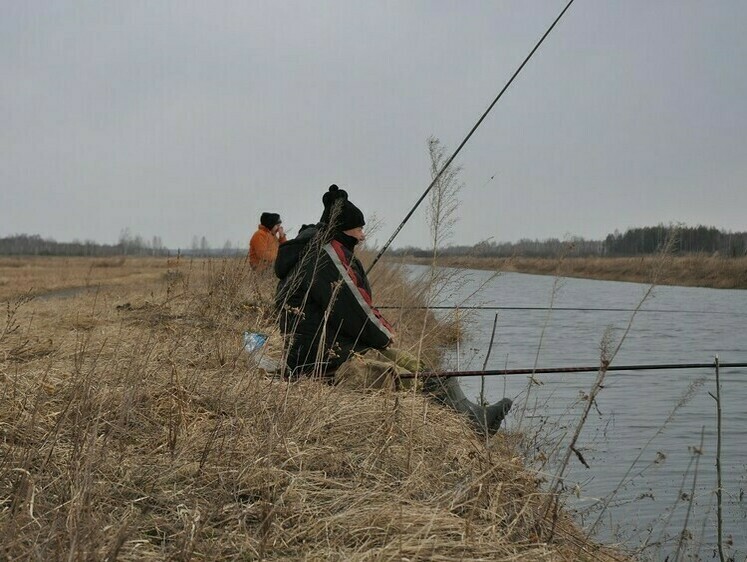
(263, 248)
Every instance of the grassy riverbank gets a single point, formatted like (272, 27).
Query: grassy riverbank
(132, 428)
(692, 271)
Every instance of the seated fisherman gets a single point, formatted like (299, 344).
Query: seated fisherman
(327, 315)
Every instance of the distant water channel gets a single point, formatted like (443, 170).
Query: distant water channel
(633, 407)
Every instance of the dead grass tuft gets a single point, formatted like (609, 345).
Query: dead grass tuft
(109, 262)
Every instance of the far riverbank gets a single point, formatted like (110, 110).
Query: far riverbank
(689, 271)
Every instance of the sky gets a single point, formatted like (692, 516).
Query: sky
(180, 119)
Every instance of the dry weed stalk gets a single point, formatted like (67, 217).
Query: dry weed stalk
(719, 486)
(684, 399)
(556, 285)
(608, 353)
(685, 534)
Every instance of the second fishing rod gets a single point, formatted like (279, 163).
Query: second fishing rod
(563, 309)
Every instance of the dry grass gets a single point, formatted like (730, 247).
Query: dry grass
(43, 276)
(693, 271)
(132, 428)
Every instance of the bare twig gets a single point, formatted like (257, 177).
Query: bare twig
(684, 534)
(719, 486)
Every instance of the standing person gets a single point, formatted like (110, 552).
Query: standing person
(263, 247)
(329, 323)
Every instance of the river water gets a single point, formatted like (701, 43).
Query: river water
(641, 439)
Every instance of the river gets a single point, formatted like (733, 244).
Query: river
(641, 440)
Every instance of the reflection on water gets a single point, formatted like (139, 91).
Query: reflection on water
(647, 425)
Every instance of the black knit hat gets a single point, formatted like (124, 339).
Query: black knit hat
(333, 194)
(349, 217)
(269, 220)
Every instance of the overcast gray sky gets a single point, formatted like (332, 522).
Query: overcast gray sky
(179, 118)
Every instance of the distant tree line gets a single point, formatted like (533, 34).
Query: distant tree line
(551, 247)
(634, 242)
(35, 245)
(684, 240)
(127, 245)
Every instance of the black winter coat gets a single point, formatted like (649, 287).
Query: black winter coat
(324, 303)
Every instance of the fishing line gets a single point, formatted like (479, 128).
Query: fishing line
(459, 148)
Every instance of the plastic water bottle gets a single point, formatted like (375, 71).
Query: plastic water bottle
(253, 342)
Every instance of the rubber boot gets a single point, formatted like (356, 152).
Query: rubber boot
(487, 420)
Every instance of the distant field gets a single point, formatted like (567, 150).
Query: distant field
(692, 271)
(38, 276)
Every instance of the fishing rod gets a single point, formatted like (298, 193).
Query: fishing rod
(556, 370)
(562, 309)
(459, 148)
